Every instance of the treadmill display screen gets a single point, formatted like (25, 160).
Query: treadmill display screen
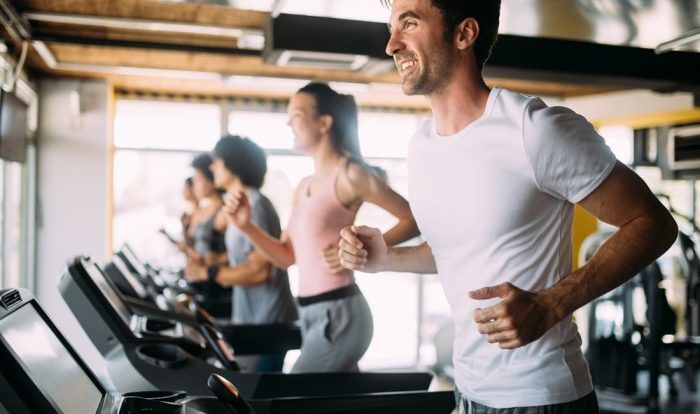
(49, 363)
(130, 278)
(109, 292)
(131, 257)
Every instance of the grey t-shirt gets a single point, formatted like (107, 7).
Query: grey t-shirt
(268, 302)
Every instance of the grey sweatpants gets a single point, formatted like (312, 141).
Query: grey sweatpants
(584, 405)
(335, 334)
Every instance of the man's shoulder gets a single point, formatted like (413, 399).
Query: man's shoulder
(509, 97)
(424, 130)
(536, 109)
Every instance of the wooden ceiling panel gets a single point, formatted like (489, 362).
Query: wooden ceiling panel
(151, 10)
(250, 65)
(208, 88)
(207, 62)
(110, 33)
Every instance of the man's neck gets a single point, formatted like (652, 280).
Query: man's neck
(459, 104)
(235, 186)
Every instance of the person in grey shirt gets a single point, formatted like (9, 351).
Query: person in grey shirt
(261, 293)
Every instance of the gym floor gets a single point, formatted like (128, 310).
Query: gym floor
(686, 402)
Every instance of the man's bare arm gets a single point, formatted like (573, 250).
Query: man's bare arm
(363, 248)
(646, 230)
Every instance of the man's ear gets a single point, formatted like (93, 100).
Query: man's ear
(466, 33)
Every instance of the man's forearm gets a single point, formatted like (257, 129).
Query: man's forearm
(414, 259)
(245, 274)
(622, 256)
(404, 230)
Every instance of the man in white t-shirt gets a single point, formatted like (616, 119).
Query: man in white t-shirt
(493, 179)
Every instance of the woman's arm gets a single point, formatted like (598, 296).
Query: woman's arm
(366, 185)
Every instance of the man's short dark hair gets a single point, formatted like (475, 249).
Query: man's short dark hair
(244, 158)
(485, 12)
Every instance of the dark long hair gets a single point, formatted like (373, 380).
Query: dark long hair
(343, 110)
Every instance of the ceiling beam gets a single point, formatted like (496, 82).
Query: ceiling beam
(593, 63)
(181, 47)
(143, 24)
(195, 12)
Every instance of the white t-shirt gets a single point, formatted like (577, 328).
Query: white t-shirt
(495, 204)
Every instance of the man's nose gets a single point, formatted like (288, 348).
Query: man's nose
(394, 45)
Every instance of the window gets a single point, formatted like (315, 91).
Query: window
(2, 223)
(386, 134)
(147, 197)
(166, 125)
(154, 144)
(13, 225)
(267, 129)
(620, 140)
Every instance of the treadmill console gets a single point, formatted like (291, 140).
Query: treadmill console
(125, 280)
(147, 326)
(141, 326)
(48, 362)
(42, 373)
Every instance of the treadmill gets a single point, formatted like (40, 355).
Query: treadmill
(146, 292)
(37, 361)
(148, 360)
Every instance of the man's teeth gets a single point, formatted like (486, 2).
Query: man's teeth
(406, 65)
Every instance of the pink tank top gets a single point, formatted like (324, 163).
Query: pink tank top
(315, 224)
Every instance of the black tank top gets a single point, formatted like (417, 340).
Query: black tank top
(207, 239)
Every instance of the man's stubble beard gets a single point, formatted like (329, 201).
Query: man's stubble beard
(433, 78)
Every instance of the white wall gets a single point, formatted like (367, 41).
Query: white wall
(72, 191)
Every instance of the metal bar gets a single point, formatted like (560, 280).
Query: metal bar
(687, 37)
(276, 8)
(45, 54)
(18, 25)
(420, 316)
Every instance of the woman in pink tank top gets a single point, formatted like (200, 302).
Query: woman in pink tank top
(335, 319)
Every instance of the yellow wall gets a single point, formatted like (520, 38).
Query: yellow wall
(584, 225)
